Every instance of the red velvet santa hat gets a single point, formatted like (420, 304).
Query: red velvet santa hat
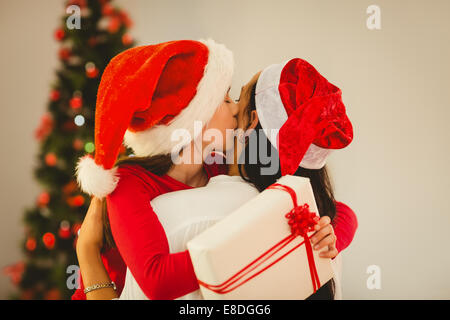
(308, 111)
(145, 94)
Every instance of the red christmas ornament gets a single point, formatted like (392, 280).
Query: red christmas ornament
(30, 244)
(64, 233)
(114, 24)
(64, 54)
(125, 19)
(49, 240)
(51, 159)
(53, 294)
(81, 3)
(78, 144)
(127, 39)
(43, 199)
(76, 201)
(55, 95)
(107, 9)
(76, 102)
(92, 41)
(45, 127)
(59, 34)
(69, 126)
(27, 294)
(75, 228)
(70, 187)
(15, 272)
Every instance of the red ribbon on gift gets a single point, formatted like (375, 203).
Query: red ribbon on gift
(301, 220)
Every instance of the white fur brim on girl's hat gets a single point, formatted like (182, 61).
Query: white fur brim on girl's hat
(302, 114)
(146, 94)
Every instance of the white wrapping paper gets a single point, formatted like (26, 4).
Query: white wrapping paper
(232, 243)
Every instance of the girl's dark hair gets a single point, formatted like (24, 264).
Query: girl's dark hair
(252, 165)
(159, 165)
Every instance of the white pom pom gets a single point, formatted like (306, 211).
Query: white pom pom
(94, 179)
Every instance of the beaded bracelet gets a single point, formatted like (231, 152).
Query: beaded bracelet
(100, 286)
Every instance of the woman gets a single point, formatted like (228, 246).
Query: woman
(247, 120)
(147, 95)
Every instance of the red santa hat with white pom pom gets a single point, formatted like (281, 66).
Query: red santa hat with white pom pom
(145, 94)
(307, 112)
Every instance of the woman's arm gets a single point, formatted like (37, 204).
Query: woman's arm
(142, 241)
(345, 224)
(89, 244)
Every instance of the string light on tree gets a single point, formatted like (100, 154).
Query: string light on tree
(89, 147)
(77, 101)
(45, 212)
(79, 120)
(64, 230)
(91, 70)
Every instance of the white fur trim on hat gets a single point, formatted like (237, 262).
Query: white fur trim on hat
(269, 107)
(315, 157)
(272, 114)
(211, 91)
(94, 179)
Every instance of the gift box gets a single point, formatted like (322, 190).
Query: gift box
(262, 250)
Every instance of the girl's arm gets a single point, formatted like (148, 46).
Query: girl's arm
(88, 248)
(345, 224)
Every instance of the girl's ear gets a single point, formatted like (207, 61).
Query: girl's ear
(254, 120)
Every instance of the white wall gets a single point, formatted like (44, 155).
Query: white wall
(28, 57)
(395, 84)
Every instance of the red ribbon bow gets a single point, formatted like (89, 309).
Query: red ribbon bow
(301, 221)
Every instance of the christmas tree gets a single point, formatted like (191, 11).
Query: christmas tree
(91, 33)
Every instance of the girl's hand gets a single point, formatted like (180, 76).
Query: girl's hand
(325, 236)
(91, 231)
(89, 245)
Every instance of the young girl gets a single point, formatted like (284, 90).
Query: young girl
(229, 193)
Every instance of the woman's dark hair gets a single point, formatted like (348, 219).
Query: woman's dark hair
(252, 164)
(159, 165)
